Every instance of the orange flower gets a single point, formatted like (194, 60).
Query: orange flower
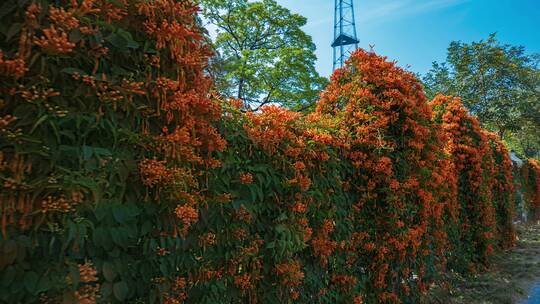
(207, 239)
(244, 282)
(272, 126)
(54, 41)
(62, 19)
(243, 215)
(290, 273)
(154, 172)
(87, 273)
(299, 207)
(188, 216)
(15, 68)
(299, 165)
(346, 282)
(246, 178)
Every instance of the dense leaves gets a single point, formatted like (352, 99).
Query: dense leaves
(530, 182)
(482, 172)
(395, 153)
(105, 126)
(123, 181)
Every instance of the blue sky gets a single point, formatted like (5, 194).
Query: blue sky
(417, 32)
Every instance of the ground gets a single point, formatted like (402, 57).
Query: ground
(509, 280)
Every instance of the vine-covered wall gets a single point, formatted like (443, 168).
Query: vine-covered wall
(125, 180)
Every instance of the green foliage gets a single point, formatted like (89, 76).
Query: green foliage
(117, 186)
(264, 55)
(78, 113)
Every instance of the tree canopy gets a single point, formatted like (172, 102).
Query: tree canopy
(263, 54)
(499, 83)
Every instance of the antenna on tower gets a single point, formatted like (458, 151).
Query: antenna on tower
(345, 40)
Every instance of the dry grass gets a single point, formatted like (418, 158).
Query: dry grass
(508, 281)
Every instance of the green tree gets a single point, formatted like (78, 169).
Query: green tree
(264, 55)
(499, 83)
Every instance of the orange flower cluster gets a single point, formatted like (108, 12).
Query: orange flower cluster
(187, 137)
(113, 11)
(62, 18)
(271, 127)
(243, 215)
(290, 273)
(155, 172)
(385, 119)
(323, 246)
(87, 273)
(177, 294)
(6, 120)
(503, 192)
(88, 293)
(246, 178)
(55, 41)
(207, 239)
(58, 204)
(31, 15)
(16, 206)
(302, 181)
(188, 216)
(484, 177)
(172, 26)
(15, 68)
(345, 282)
(244, 282)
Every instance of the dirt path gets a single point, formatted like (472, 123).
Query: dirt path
(514, 277)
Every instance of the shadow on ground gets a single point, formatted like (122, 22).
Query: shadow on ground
(509, 281)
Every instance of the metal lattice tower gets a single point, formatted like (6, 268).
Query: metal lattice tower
(345, 40)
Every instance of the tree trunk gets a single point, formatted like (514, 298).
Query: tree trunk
(501, 133)
(241, 92)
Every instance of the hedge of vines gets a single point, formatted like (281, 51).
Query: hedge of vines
(125, 181)
(530, 186)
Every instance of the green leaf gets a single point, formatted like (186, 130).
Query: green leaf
(8, 252)
(38, 122)
(7, 8)
(30, 282)
(102, 210)
(121, 236)
(73, 71)
(102, 238)
(43, 285)
(87, 152)
(75, 36)
(14, 29)
(75, 276)
(119, 213)
(146, 228)
(7, 276)
(109, 271)
(132, 44)
(106, 289)
(125, 212)
(121, 290)
(118, 41)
